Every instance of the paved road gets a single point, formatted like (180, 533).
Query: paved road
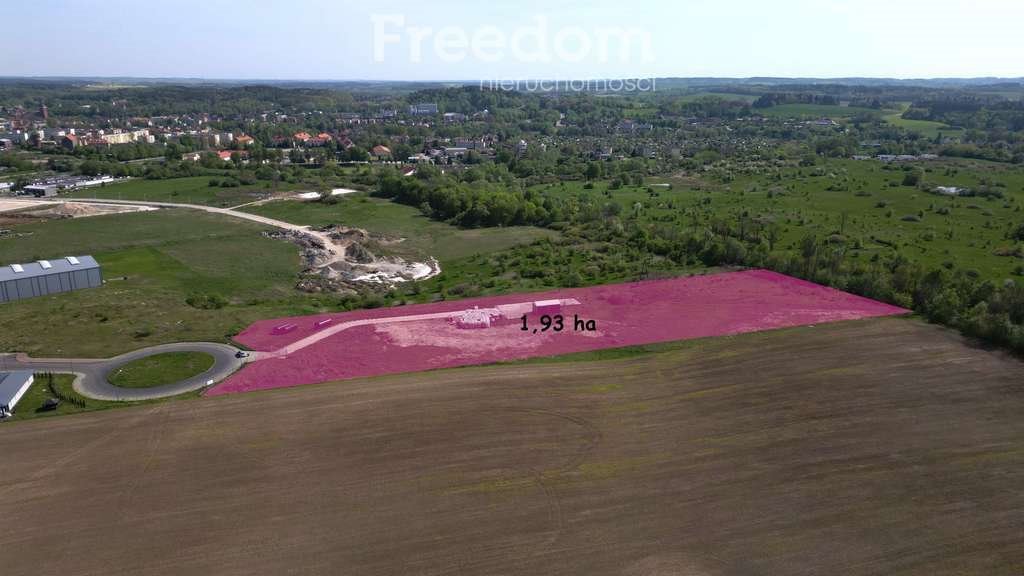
(92, 373)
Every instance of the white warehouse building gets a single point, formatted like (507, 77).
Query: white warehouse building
(44, 277)
(13, 386)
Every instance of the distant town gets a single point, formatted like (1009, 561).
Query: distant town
(455, 133)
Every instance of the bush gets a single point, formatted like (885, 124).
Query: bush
(911, 179)
(1017, 233)
(206, 301)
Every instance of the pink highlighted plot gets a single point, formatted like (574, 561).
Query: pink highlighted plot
(306, 350)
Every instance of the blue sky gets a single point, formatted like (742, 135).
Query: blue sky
(481, 39)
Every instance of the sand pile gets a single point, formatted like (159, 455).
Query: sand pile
(73, 210)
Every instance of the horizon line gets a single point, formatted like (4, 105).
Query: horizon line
(477, 80)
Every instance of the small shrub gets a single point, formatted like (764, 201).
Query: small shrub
(206, 301)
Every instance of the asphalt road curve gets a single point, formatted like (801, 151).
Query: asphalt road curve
(92, 381)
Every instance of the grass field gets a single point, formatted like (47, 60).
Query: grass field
(843, 449)
(926, 128)
(155, 262)
(423, 236)
(192, 190)
(748, 98)
(152, 262)
(814, 111)
(814, 200)
(161, 369)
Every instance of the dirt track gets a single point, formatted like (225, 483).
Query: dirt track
(870, 447)
(338, 252)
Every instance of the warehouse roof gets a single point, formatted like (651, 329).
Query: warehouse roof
(47, 267)
(11, 384)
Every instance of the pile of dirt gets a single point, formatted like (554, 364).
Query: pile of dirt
(350, 263)
(72, 210)
(82, 209)
(65, 210)
(314, 253)
(356, 252)
(326, 282)
(345, 234)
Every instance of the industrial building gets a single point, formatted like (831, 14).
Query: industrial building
(40, 190)
(13, 386)
(20, 281)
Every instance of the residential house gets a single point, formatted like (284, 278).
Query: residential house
(225, 155)
(321, 139)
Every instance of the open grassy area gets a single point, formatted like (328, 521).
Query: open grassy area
(748, 98)
(863, 201)
(161, 369)
(926, 128)
(192, 190)
(152, 263)
(814, 111)
(422, 235)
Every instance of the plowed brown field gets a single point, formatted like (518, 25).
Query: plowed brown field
(870, 447)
